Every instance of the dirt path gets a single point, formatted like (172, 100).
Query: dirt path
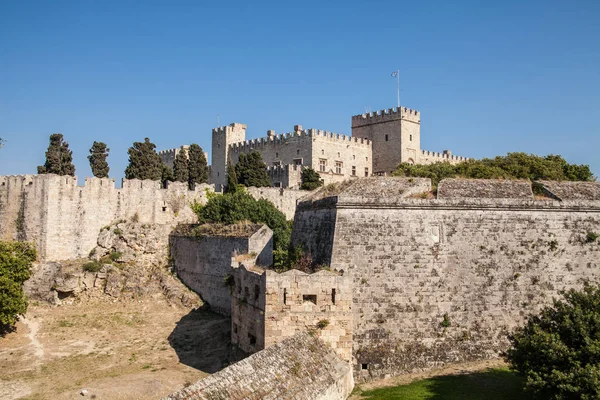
(454, 369)
(131, 349)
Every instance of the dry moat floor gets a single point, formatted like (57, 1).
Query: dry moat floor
(132, 349)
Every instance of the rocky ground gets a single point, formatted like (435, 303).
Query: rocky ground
(115, 326)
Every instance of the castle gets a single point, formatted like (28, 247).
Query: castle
(379, 142)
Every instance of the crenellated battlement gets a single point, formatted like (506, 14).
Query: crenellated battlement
(385, 115)
(446, 155)
(305, 134)
(235, 126)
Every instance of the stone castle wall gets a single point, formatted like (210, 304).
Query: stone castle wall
(203, 263)
(300, 367)
(445, 280)
(64, 219)
(268, 307)
(284, 199)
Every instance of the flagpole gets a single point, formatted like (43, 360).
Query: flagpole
(398, 75)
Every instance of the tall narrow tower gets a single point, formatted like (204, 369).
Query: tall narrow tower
(396, 136)
(222, 137)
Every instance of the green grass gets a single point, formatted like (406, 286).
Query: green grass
(491, 384)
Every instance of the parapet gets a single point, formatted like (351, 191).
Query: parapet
(485, 189)
(566, 190)
(235, 126)
(386, 115)
(302, 135)
(446, 155)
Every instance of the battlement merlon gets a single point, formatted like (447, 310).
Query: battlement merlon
(386, 115)
(446, 155)
(304, 134)
(235, 126)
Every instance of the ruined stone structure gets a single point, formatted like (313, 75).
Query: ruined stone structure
(300, 367)
(268, 307)
(202, 260)
(445, 280)
(64, 219)
(379, 142)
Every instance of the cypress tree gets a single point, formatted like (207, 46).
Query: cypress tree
(59, 159)
(232, 180)
(197, 166)
(252, 171)
(310, 179)
(97, 157)
(144, 162)
(180, 166)
(166, 175)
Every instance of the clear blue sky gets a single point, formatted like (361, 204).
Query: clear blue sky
(488, 77)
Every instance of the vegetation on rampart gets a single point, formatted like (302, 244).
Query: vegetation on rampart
(310, 179)
(97, 158)
(15, 268)
(233, 207)
(511, 166)
(59, 159)
(558, 351)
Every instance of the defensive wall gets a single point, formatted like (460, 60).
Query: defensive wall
(202, 257)
(284, 199)
(300, 367)
(64, 219)
(444, 280)
(268, 307)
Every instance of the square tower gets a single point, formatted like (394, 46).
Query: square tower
(222, 138)
(395, 134)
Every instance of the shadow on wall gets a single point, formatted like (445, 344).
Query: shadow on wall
(202, 340)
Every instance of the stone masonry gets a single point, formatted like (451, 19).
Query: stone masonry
(268, 307)
(445, 280)
(300, 367)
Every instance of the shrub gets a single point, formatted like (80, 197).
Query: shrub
(445, 322)
(233, 207)
(92, 266)
(115, 255)
(310, 179)
(557, 351)
(117, 231)
(15, 268)
(322, 324)
(591, 237)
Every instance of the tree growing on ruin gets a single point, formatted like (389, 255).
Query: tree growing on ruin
(232, 180)
(59, 159)
(310, 179)
(15, 268)
(97, 158)
(180, 166)
(252, 171)
(166, 175)
(197, 166)
(144, 162)
(557, 351)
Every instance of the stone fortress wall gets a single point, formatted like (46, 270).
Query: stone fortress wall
(268, 307)
(444, 280)
(64, 219)
(168, 156)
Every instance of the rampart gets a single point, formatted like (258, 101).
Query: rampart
(202, 257)
(445, 280)
(386, 115)
(300, 367)
(268, 307)
(284, 199)
(64, 219)
(430, 157)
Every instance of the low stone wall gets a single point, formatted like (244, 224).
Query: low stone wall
(300, 367)
(284, 199)
(203, 262)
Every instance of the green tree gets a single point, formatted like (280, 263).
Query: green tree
(511, 166)
(558, 351)
(232, 180)
(144, 162)
(310, 179)
(59, 159)
(198, 166)
(1, 143)
(97, 158)
(166, 175)
(237, 206)
(15, 268)
(252, 171)
(180, 166)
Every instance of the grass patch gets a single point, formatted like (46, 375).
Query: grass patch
(491, 384)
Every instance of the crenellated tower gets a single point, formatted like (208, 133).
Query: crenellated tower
(222, 138)
(395, 134)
